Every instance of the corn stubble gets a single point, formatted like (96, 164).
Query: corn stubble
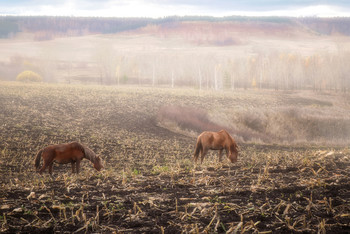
(149, 183)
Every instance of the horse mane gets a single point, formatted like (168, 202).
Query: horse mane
(233, 145)
(89, 154)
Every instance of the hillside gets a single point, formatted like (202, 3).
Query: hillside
(204, 52)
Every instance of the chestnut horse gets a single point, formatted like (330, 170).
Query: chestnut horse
(72, 153)
(216, 141)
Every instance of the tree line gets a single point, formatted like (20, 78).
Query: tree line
(259, 70)
(275, 70)
(269, 70)
(49, 27)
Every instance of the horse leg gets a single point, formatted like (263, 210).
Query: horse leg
(203, 153)
(46, 163)
(42, 168)
(195, 157)
(198, 149)
(73, 167)
(50, 168)
(227, 153)
(220, 155)
(77, 163)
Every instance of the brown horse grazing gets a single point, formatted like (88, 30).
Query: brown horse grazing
(72, 153)
(216, 141)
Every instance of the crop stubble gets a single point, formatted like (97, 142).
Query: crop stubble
(150, 183)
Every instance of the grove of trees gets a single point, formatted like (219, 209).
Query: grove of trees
(259, 69)
(279, 71)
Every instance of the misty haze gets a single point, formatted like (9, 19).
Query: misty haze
(133, 94)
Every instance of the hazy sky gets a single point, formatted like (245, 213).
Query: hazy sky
(161, 8)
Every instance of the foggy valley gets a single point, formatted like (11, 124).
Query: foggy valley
(139, 91)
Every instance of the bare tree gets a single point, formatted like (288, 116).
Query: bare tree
(105, 58)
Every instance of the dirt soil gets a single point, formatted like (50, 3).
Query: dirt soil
(149, 183)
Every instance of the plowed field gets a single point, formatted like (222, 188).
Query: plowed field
(149, 183)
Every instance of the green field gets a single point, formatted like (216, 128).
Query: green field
(292, 173)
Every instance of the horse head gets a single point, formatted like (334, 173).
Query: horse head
(98, 163)
(233, 153)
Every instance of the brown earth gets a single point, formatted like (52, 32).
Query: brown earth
(149, 184)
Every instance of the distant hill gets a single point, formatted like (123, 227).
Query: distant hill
(47, 27)
(204, 52)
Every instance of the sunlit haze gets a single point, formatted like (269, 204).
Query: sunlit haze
(157, 8)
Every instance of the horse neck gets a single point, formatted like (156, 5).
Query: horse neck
(230, 143)
(233, 146)
(89, 154)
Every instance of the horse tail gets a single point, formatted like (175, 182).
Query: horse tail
(198, 148)
(37, 159)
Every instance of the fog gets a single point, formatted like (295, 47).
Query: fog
(138, 92)
(232, 55)
(258, 53)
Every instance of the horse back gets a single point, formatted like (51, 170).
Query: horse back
(217, 140)
(229, 140)
(64, 153)
(212, 140)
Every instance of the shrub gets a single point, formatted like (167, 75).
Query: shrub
(29, 76)
(188, 118)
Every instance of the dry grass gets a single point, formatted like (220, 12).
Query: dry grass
(188, 118)
(266, 117)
